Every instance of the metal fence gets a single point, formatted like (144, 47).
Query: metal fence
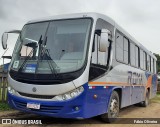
(3, 87)
(3, 78)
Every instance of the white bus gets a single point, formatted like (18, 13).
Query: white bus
(78, 66)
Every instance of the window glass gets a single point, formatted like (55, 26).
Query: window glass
(144, 61)
(141, 59)
(152, 65)
(119, 47)
(148, 63)
(25, 51)
(63, 49)
(137, 57)
(125, 59)
(132, 54)
(33, 32)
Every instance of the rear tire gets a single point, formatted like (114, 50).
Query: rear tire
(145, 103)
(113, 109)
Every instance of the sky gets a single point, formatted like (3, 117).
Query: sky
(140, 18)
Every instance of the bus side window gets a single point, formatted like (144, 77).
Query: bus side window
(141, 59)
(119, 47)
(148, 63)
(152, 65)
(145, 61)
(137, 56)
(125, 50)
(132, 54)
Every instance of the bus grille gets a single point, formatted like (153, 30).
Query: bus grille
(37, 96)
(43, 108)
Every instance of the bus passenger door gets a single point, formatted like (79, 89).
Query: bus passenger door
(98, 60)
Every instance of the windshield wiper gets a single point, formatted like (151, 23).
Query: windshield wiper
(45, 53)
(32, 44)
(22, 65)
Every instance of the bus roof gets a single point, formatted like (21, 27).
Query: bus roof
(95, 16)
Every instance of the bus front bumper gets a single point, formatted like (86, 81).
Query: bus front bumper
(84, 105)
(63, 109)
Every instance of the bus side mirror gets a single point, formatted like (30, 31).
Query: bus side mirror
(5, 37)
(104, 40)
(4, 40)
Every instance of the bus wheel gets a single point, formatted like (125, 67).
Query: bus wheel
(145, 103)
(113, 109)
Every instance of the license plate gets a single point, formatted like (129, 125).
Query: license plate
(33, 106)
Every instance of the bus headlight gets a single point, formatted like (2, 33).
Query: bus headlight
(70, 94)
(11, 90)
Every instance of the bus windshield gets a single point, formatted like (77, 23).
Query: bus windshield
(59, 45)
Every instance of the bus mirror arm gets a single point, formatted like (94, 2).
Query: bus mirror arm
(5, 37)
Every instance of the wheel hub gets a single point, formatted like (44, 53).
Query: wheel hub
(114, 107)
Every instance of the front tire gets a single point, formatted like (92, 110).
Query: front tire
(113, 109)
